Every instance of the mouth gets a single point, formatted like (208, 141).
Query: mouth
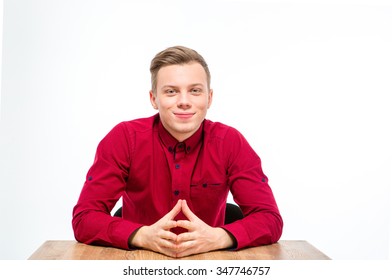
(184, 115)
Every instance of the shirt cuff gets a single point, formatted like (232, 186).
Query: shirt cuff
(239, 233)
(121, 231)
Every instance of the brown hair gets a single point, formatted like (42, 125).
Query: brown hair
(174, 56)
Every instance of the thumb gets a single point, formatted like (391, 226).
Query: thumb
(176, 209)
(187, 211)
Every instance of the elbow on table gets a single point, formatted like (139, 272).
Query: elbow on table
(81, 232)
(277, 229)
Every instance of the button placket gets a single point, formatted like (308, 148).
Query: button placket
(178, 172)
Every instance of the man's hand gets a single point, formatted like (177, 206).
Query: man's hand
(158, 236)
(200, 237)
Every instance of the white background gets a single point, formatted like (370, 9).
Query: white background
(308, 83)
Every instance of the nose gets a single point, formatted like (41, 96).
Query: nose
(183, 101)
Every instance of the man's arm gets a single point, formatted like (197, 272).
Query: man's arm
(104, 185)
(262, 223)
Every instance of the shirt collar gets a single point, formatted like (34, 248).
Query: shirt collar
(172, 144)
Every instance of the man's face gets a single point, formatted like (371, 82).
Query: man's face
(182, 98)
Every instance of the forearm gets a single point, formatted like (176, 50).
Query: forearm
(94, 227)
(257, 229)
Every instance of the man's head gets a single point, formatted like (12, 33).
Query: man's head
(177, 55)
(180, 90)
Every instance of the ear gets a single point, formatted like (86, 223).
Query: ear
(210, 94)
(153, 100)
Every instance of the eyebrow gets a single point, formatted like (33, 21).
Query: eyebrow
(197, 85)
(191, 85)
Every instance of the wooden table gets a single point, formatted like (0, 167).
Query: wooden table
(72, 250)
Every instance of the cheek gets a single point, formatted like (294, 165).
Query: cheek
(167, 102)
(200, 102)
(204, 105)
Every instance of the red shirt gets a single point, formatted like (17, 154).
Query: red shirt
(142, 163)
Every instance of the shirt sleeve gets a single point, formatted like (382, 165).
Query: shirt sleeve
(262, 223)
(105, 182)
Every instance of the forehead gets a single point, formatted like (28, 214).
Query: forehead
(181, 74)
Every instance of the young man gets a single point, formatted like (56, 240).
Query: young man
(174, 171)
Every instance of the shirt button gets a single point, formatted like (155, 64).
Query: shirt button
(181, 145)
(90, 178)
(188, 149)
(204, 185)
(177, 166)
(170, 149)
(176, 192)
(263, 180)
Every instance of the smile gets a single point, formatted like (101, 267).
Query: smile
(184, 115)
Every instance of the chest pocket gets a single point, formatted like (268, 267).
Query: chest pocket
(208, 200)
(208, 184)
(211, 192)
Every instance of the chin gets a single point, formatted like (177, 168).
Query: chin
(186, 129)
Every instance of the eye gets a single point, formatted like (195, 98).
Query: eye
(196, 91)
(170, 91)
